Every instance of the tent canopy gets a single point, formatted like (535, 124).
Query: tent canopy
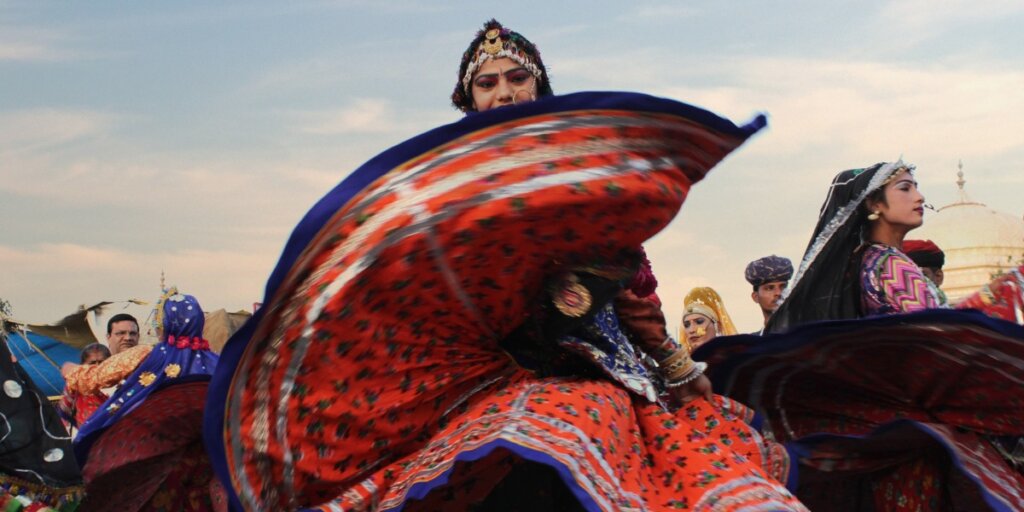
(42, 357)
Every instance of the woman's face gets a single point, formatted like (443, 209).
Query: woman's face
(502, 82)
(904, 204)
(93, 358)
(699, 329)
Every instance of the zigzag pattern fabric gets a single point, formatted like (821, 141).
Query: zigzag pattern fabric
(893, 283)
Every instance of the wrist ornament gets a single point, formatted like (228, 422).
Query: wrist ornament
(695, 372)
(677, 365)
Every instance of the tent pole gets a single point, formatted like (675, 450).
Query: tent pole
(37, 349)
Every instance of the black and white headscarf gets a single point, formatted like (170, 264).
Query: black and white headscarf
(825, 286)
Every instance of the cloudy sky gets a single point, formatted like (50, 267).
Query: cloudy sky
(190, 137)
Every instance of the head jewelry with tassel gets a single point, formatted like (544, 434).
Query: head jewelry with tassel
(494, 42)
(179, 315)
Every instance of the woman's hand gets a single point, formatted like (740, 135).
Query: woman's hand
(699, 387)
(67, 367)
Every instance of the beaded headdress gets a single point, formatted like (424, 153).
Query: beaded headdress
(158, 316)
(494, 42)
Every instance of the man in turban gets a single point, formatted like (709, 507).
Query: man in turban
(768, 276)
(930, 258)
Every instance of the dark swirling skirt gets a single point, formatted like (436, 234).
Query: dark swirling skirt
(902, 411)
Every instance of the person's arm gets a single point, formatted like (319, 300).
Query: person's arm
(904, 285)
(66, 407)
(90, 379)
(1003, 297)
(645, 323)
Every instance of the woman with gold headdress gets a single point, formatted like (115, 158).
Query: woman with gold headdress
(704, 317)
(464, 322)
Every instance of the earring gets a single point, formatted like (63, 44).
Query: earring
(874, 215)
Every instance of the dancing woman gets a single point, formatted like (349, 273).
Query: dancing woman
(854, 266)
(893, 403)
(449, 328)
(142, 450)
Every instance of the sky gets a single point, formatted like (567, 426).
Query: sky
(190, 137)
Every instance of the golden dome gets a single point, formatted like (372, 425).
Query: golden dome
(978, 241)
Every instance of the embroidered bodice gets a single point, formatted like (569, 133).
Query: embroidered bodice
(892, 283)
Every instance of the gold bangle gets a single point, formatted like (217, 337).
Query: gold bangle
(676, 365)
(680, 371)
(679, 355)
(698, 370)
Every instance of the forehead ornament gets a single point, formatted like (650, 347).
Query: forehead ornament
(493, 47)
(492, 42)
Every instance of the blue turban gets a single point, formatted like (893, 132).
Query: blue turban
(768, 270)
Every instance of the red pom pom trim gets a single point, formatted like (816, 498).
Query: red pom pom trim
(183, 342)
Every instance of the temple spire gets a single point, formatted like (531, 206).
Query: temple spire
(960, 176)
(960, 182)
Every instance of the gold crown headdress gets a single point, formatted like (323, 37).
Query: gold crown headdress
(707, 302)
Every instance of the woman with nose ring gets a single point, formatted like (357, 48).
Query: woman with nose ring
(500, 68)
(893, 401)
(704, 317)
(468, 322)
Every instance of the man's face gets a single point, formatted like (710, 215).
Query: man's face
(767, 296)
(934, 273)
(123, 336)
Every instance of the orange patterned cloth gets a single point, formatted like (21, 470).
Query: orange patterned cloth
(1002, 298)
(376, 379)
(90, 379)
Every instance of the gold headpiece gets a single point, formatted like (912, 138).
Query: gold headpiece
(158, 316)
(700, 308)
(707, 302)
(495, 46)
(492, 42)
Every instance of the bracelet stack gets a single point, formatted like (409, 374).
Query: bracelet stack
(680, 369)
(697, 371)
(677, 366)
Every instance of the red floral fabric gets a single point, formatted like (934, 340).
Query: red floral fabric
(376, 373)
